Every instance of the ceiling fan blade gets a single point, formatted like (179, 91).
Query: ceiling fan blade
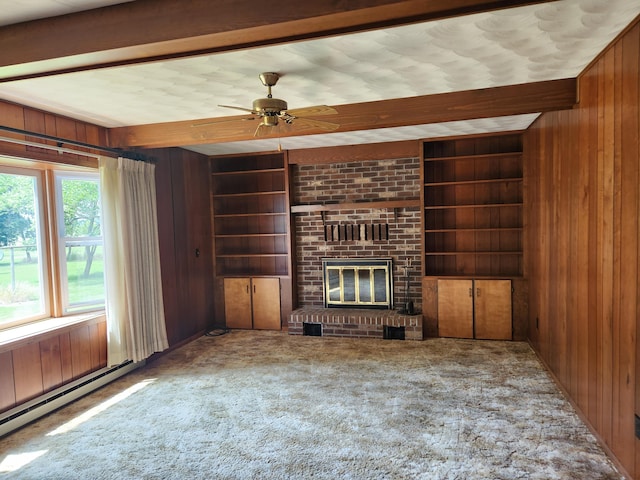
(239, 108)
(317, 123)
(222, 120)
(312, 111)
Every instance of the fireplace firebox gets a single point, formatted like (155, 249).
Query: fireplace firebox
(358, 282)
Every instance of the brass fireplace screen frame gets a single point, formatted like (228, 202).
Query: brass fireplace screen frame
(357, 282)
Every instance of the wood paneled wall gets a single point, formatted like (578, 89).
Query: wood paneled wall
(186, 250)
(31, 368)
(25, 118)
(582, 207)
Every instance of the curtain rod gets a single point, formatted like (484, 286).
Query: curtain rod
(48, 147)
(63, 141)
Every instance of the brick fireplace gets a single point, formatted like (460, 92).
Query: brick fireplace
(360, 232)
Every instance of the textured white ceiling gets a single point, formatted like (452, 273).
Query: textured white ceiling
(16, 11)
(435, 130)
(538, 42)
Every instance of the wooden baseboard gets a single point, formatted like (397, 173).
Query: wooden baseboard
(171, 348)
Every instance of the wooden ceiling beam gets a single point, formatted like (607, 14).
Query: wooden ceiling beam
(354, 153)
(152, 30)
(445, 107)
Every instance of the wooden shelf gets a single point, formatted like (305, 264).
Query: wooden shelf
(473, 230)
(257, 214)
(250, 235)
(475, 205)
(354, 206)
(473, 157)
(475, 252)
(249, 194)
(252, 255)
(462, 277)
(247, 172)
(473, 182)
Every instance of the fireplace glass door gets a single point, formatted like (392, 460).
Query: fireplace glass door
(362, 283)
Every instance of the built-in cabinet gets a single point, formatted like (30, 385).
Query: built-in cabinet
(479, 309)
(251, 224)
(252, 303)
(473, 229)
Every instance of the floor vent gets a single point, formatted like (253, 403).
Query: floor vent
(312, 329)
(393, 333)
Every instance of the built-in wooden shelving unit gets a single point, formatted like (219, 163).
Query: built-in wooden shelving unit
(251, 215)
(473, 196)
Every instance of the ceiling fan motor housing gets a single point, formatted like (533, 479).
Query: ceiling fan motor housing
(269, 106)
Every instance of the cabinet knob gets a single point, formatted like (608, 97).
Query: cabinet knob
(471, 292)
(478, 292)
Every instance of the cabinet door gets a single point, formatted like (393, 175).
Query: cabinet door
(493, 309)
(237, 303)
(455, 308)
(266, 303)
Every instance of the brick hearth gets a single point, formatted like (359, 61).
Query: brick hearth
(341, 322)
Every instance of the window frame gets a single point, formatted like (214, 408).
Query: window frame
(50, 209)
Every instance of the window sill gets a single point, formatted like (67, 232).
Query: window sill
(12, 338)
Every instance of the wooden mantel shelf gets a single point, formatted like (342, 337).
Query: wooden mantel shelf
(354, 205)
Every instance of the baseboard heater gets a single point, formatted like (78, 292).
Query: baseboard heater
(38, 407)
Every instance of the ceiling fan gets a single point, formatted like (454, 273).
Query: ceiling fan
(271, 111)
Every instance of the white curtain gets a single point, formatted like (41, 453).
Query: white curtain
(135, 311)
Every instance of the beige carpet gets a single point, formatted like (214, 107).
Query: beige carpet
(266, 405)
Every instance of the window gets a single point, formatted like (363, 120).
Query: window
(23, 271)
(79, 242)
(51, 256)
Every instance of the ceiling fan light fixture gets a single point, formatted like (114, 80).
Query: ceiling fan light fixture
(270, 120)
